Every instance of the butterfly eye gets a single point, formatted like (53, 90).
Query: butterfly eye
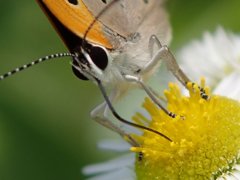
(99, 56)
(74, 2)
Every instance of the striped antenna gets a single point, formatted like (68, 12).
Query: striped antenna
(40, 60)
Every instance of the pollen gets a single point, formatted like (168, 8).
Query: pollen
(205, 136)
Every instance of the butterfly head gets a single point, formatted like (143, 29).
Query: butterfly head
(90, 61)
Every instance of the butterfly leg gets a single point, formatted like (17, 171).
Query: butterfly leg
(149, 92)
(164, 53)
(100, 114)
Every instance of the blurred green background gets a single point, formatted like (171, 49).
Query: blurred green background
(45, 128)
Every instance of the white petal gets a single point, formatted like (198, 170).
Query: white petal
(230, 177)
(214, 57)
(229, 86)
(118, 145)
(122, 174)
(236, 174)
(114, 164)
(237, 168)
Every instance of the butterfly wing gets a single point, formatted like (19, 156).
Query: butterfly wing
(120, 20)
(76, 18)
(125, 16)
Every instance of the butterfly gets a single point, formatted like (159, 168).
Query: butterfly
(116, 44)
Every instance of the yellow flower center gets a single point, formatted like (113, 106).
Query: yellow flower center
(205, 137)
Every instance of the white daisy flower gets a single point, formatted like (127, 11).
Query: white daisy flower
(205, 144)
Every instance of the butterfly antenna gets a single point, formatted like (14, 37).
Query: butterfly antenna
(40, 60)
(97, 17)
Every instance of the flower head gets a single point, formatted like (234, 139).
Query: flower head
(203, 143)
